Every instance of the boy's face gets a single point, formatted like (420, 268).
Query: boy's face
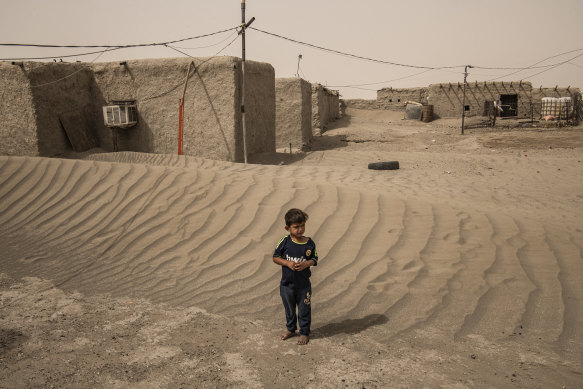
(296, 230)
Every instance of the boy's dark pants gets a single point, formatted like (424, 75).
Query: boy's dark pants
(291, 298)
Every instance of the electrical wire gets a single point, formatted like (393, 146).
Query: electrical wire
(353, 55)
(381, 82)
(190, 75)
(107, 47)
(549, 67)
(61, 56)
(70, 75)
(533, 66)
(119, 46)
(206, 47)
(557, 65)
(442, 68)
(217, 53)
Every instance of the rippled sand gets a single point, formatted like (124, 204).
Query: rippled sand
(467, 260)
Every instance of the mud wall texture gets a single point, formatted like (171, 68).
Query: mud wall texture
(46, 109)
(61, 107)
(259, 108)
(18, 134)
(447, 98)
(361, 104)
(65, 113)
(212, 100)
(325, 106)
(293, 113)
(395, 99)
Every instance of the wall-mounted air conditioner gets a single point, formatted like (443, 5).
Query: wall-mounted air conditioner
(121, 114)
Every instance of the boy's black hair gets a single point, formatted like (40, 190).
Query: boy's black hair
(295, 216)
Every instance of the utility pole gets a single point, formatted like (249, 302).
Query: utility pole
(242, 33)
(464, 98)
(298, 71)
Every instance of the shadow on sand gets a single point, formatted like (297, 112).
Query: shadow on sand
(350, 326)
(319, 143)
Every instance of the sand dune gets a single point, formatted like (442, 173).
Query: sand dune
(455, 248)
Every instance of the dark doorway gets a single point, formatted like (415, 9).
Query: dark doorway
(509, 105)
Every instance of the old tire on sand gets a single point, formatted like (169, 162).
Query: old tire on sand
(388, 165)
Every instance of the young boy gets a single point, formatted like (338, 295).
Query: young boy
(295, 253)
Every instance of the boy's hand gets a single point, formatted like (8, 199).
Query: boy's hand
(302, 265)
(291, 265)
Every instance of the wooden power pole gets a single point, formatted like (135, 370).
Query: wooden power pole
(464, 98)
(242, 33)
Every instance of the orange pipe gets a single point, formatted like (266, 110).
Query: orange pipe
(180, 126)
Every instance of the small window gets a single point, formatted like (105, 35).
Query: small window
(398, 100)
(390, 100)
(466, 108)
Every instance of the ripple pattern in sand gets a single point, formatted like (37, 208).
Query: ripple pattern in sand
(200, 233)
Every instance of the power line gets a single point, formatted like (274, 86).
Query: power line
(380, 82)
(107, 47)
(198, 67)
(353, 55)
(70, 75)
(60, 56)
(549, 67)
(533, 66)
(557, 65)
(206, 47)
(118, 46)
(442, 68)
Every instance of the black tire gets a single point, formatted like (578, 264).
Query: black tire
(388, 165)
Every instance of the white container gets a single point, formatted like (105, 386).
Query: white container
(559, 107)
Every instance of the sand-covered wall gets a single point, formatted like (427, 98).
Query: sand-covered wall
(395, 99)
(212, 99)
(46, 109)
(18, 134)
(65, 110)
(293, 102)
(259, 108)
(325, 106)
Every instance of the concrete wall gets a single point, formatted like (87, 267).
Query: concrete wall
(395, 99)
(55, 97)
(325, 106)
(293, 113)
(18, 134)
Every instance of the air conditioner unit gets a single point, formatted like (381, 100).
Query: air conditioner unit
(120, 114)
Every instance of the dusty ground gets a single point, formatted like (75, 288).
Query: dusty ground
(463, 268)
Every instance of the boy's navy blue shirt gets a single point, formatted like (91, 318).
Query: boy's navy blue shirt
(296, 252)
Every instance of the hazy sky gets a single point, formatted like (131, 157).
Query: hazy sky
(422, 33)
